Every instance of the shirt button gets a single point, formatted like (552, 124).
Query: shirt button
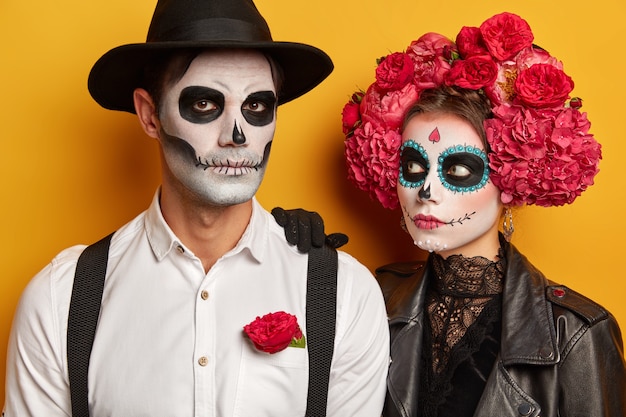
(205, 295)
(203, 361)
(180, 249)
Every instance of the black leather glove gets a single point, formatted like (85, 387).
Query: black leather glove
(306, 229)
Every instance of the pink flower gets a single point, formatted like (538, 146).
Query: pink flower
(474, 72)
(502, 90)
(274, 331)
(505, 35)
(543, 157)
(543, 85)
(541, 153)
(430, 54)
(373, 160)
(535, 55)
(389, 108)
(394, 71)
(470, 42)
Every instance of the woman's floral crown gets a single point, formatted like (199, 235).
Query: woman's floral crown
(541, 150)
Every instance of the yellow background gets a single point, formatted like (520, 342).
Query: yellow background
(72, 172)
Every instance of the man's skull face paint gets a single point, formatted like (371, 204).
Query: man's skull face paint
(447, 200)
(217, 125)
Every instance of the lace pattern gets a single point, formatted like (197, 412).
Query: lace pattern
(461, 290)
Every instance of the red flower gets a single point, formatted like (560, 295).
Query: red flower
(542, 152)
(394, 71)
(505, 35)
(470, 42)
(474, 72)
(543, 85)
(576, 103)
(350, 114)
(274, 331)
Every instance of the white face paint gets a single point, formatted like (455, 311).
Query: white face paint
(448, 203)
(217, 125)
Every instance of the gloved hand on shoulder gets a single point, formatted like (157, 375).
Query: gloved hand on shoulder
(306, 229)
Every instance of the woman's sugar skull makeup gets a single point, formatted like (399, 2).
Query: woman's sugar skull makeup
(447, 200)
(217, 125)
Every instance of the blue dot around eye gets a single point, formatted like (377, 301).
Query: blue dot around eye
(469, 149)
(410, 184)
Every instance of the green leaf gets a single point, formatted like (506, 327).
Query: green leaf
(298, 343)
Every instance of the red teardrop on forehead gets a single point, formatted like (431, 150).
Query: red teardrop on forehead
(434, 135)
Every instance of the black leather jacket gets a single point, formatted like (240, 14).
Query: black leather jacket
(561, 354)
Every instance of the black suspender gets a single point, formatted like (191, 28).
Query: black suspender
(83, 318)
(321, 312)
(321, 307)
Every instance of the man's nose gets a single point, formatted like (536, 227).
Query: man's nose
(239, 138)
(232, 130)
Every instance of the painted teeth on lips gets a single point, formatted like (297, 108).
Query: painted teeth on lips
(234, 167)
(236, 171)
(427, 222)
(235, 164)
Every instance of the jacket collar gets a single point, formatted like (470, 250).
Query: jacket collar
(528, 332)
(404, 297)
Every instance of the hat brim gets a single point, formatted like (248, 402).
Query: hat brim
(118, 73)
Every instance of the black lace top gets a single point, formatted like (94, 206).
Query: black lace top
(462, 333)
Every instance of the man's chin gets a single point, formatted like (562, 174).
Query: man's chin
(230, 196)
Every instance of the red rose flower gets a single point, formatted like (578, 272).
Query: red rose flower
(470, 42)
(274, 331)
(576, 103)
(350, 114)
(505, 35)
(394, 71)
(543, 85)
(542, 152)
(474, 72)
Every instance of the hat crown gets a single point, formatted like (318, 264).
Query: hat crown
(207, 24)
(207, 20)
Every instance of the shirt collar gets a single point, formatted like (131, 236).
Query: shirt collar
(256, 236)
(162, 239)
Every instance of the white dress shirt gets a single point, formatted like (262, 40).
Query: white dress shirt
(170, 341)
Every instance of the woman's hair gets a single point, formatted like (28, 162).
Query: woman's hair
(168, 68)
(470, 105)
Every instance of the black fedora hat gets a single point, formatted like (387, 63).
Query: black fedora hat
(179, 24)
